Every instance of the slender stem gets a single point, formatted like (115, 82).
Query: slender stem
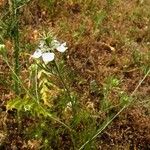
(102, 128)
(65, 86)
(124, 107)
(36, 83)
(72, 102)
(15, 37)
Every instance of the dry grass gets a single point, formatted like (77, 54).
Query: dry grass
(105, 39)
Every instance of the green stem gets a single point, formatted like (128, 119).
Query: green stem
(36, 83)
(65, 86)
(68, 93)
(113, 117)
(15, 38)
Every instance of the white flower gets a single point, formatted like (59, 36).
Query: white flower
(37, 54)
(47, 52)
(47, 57)
(62, 48)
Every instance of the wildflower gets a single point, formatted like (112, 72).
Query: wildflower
(47, 52)
(62, 48)
(47, 57)
(37, 54)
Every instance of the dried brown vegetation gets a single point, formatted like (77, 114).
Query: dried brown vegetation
(119, 47)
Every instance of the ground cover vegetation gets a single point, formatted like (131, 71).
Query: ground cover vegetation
(75, 74)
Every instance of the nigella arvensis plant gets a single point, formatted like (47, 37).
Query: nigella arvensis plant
(47, 52)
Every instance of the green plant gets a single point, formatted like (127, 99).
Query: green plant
(77, 34)
(14, 14)
(98, 19)
(9, 25)
(60, 109)
(110, 119)
(111, 84)
(47, 83)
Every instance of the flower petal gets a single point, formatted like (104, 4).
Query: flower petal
(37, 54)
(62, 48)
(64, 44)
(47, 57)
